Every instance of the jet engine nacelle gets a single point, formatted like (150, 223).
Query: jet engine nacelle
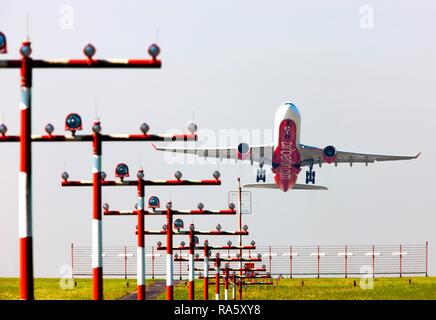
(244, 151)
(329, 154)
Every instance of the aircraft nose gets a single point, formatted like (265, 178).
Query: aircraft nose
(291, 109)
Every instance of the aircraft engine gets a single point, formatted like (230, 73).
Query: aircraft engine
(329, 154)
(244, 151)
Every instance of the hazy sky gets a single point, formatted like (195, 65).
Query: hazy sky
(231, 63)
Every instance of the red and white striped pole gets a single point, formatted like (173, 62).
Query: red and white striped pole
(191, 290)
(26, 65)
(226, 283)
(234, 286)
(169, 264)
(97, 232)
(140, 272)
(25, 177)
(206, 270)
(217, 277)
(180, 266)
(240, 288)
(240, 221)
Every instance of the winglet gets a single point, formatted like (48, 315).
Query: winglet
(154, 146)
(417, 155)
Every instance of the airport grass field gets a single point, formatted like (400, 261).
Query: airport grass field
(327, 289)
(49, 289)
(420, 288)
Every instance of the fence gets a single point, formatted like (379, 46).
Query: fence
(289, 261)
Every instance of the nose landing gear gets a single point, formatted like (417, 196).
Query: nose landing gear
(261, 173)
(310, 175)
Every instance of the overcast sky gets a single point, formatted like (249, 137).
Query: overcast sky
(231, 64)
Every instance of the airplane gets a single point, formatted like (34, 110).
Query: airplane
(287, 155)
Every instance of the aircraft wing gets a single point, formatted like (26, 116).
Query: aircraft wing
(261, 153)
(316, 154)
(296, 186)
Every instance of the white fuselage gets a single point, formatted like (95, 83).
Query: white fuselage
(286, 155)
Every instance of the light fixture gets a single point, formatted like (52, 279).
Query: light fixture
(3, 129)
(73, 122)
(178, 175)
(25, 49)
(89, 51)
(178, 224)
(153, 50)
(96, 127)
(103, 175)
(144, 128)
(49, 128)
(65, 175)
(3, 43)
(192, 127)
(121, 171)
(216, 174)
(140, 174)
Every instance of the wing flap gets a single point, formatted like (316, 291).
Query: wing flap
(261, 185)
(315, 154)
(299, 186)
(295, 187)
(262, 153)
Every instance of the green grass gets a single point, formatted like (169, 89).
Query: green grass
(326, 289)
(49, 289)
(292, 289)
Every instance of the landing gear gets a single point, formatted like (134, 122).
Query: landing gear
(310, 175)
(261, 173)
